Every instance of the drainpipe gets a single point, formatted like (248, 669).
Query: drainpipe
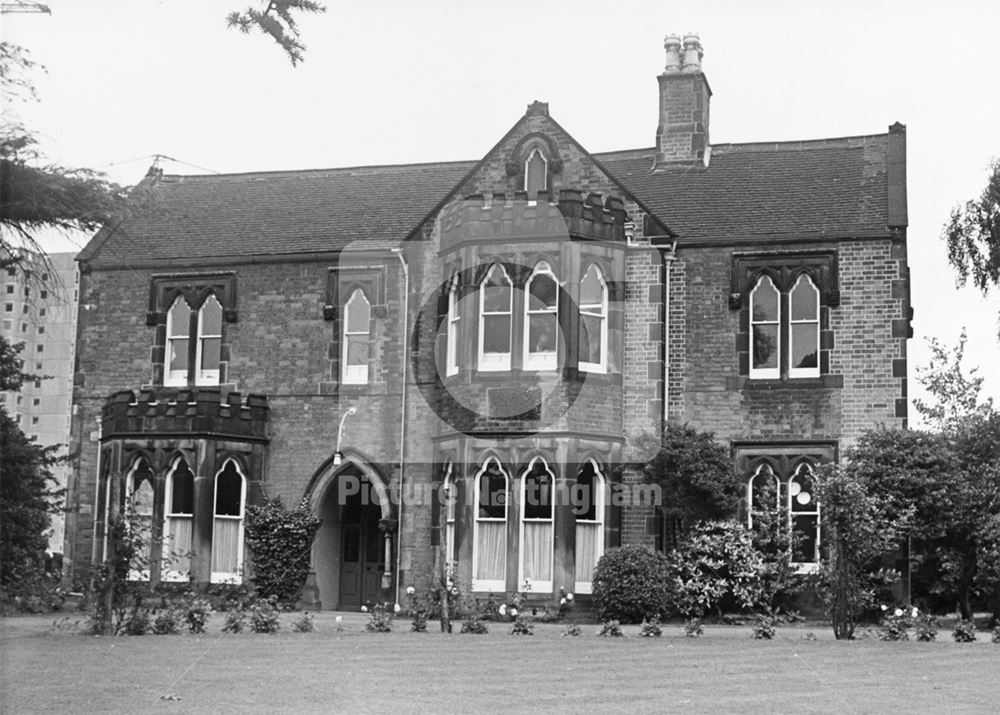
(668, 250)
(98, 542)
(402, 415)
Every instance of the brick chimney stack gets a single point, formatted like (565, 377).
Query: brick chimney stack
(682, 135)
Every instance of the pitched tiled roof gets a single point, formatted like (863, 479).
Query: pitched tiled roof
(823, 188)
(749, 192)
(275, 213)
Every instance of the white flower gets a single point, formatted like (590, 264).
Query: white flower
(898, 612)
(410, 590)
(915, 612)
(364, 609)
(503, 609)
(569, 596)
(562, 601)
(885, 607)
(397, 608)
(513, 613)
(340, 619)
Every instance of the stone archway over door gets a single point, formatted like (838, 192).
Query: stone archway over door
(349, 552)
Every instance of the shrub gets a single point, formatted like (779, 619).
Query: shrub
(475, 625)
(764, 629)
(965, 631)
(611, 629)
(996, 635)
(137, 623)
(893, 626)
(630, 584)
(523, 627)
(926, 627)
(651, 629)
(236, 620)
(304, 623)
(693, 628)
(280, 540)
(264, 616)
(715, 567)
(196, 612)
(380, 619)
(167, 621)
(571, 630)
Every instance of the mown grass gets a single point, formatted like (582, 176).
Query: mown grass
(47, 670)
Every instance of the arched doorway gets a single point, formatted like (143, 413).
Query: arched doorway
(350, 552)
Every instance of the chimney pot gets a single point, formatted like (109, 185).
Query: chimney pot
(693, 52)
(672, 44)
(682, 135)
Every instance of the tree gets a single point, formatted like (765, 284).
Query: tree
(695, 473)
(973, 236)
(276, 20)
(859, 529)
(954, 396)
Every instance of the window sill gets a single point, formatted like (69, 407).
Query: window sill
(743, 382)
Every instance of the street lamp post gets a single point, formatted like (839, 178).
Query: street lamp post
(338, 456)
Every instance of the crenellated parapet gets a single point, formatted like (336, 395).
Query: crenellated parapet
(197, 411)
(499, 217)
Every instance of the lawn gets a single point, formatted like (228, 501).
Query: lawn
(49, 670)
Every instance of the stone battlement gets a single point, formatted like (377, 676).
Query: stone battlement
(480, 217)
(193, 411)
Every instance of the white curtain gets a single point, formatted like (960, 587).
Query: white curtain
(226, 546)
(177, 548)
(536, 551)
(491, 550)
(589, 540)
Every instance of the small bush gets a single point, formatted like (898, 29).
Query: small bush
(764, 629)
(572, 630)
(264, 616)
(650, 629)
(893, 626)
(304, 623)
(693, 628)
(523, 627)
(964, 632)
(996, 635)
(611, 629)
(475, 625)
(810, 636)
(236, 621)
(167, 621)
(380, 619)
(137, 623)
(196, 613)
(280, 540)
(631, 584)
(926, 627)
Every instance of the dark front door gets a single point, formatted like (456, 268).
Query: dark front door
(362, 557)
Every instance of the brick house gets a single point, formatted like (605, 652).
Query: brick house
(452, 362)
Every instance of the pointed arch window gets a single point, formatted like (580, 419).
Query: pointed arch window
(450, 494)
(495, 308)
(139, 495)
(765, 329)
(489, 545)
(178, 522)
(803, 516)
(227, 527)
(763, 493)
(588, 508)
(536, 168)
(178, 340)
(593, 321)
(209, 346)
(541, 319)
(803, 329)
(357, 329)
(454, 318)
(537, 520)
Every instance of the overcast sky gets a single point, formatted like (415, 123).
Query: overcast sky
(400, 81)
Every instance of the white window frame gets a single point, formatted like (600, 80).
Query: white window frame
(764, 471)
(804, 566)
(167, 573)
(591, 310)
(498, 585)
(537, 586)
(176, 378)
(766, 372)
(546, 359)
(454, 318)
(495, 362)
(206, 377)
(450, 501)
(144, 574)
(227, 576)
(600, 485)
(804, 371)
(355, 374)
